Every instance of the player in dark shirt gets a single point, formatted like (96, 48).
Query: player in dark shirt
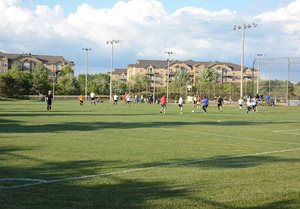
(49, 98)
(220, 103)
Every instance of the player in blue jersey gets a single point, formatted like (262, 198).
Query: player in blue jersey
(205, 104)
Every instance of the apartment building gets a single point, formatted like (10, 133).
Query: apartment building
(27, 62)
(158, 73)
(119, 74)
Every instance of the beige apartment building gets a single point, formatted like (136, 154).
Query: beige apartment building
(119, 74)
(27, 62)
(158, 73)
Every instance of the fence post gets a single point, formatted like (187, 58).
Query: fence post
(287, 83)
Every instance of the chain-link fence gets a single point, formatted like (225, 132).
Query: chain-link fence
(279, 79)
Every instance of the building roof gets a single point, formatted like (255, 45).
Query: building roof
(43, 58)
(163, 64)
(118, 71)
(155, 63)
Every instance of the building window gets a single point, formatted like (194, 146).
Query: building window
(26, 66)
(58, 67)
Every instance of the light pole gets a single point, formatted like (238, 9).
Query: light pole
(53, 83)
(270, 74)
(87, 69)
(154, 86)
(168, 73)
(243, 27)
(258, 72)
(112, 42)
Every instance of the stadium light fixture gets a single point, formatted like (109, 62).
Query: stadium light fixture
(243, 27)
(87, 68)
(112, 42)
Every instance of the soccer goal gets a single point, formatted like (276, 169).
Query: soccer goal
(278, 79)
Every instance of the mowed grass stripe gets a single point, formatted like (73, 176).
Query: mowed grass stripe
(39, 182)
(72, 142)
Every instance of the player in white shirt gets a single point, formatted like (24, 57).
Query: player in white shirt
(128, 100)
(93, 98)
(116, 99)
(249, 105)
(180, 104)
(240, 101)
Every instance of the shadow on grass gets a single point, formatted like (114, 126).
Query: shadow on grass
(88, 113)
(115, 191)
(15, 127)
(242, 161)
(282, 204)
(121, 193)
(48, 170)
(224, 162)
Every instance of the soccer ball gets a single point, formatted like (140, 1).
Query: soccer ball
(193, 110)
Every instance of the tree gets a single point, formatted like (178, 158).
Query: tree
(119, 87)
(7, 88)
(208, 75)
(140, 82)
(179, 84)
(15, 83)
(67, 83)
(101, 83)
(98, 83)
(207, 81)
(81, 83)
(40, 80)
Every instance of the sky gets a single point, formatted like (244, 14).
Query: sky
(199, 30)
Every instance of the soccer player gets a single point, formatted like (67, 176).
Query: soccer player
(205, 104)
(255, 104)
(128, 99)
(163, 104)
(49, 98)
(220, 103)
(241, 101)
(115, 99)
(81, 100)
(180, 104)
(93, 98)
(195, 101)
(198, 102)
(249, 104)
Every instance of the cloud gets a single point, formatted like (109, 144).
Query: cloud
(288, 17)
(146, 29)
(205, 14)
(281, 30)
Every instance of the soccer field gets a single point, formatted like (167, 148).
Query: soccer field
(108, 156)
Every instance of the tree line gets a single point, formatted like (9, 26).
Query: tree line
(18, 84)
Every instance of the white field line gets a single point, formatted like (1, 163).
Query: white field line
(290, 132)
(41, 181)
(287, 130)
(232, 137)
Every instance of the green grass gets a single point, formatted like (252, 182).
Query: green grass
(134, 157)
